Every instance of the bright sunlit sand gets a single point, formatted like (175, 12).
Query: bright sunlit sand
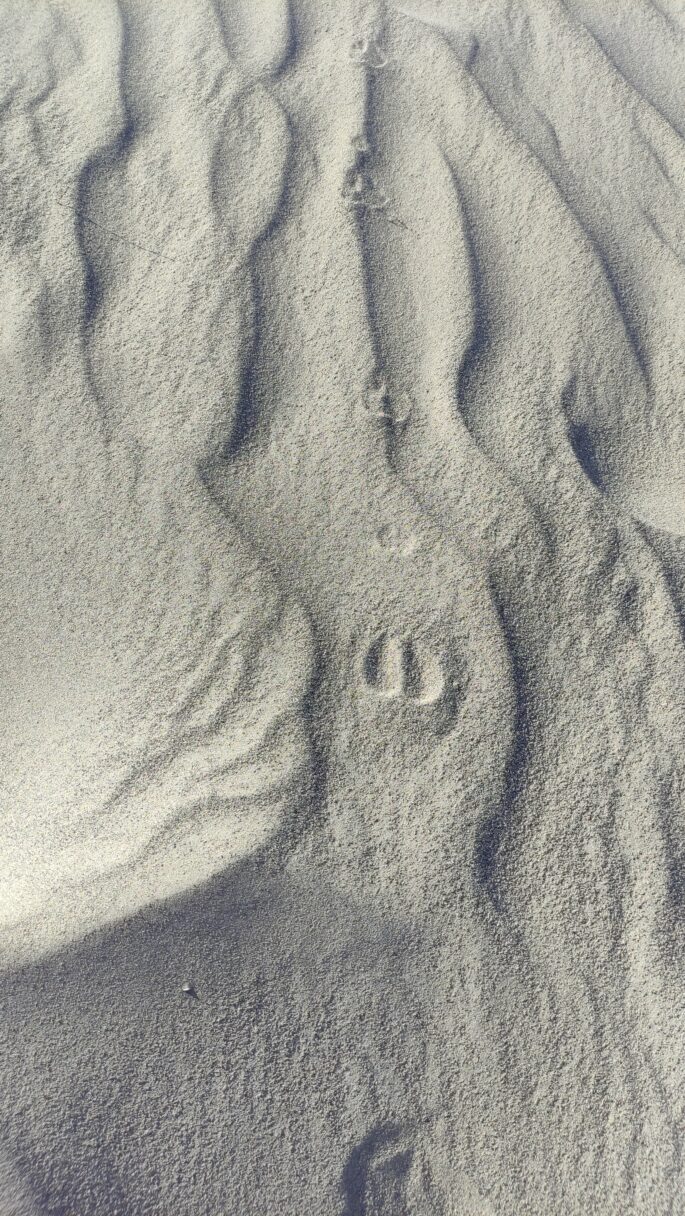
(342, 595)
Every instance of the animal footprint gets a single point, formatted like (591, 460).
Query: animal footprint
(360, 191)
(368, 54)
(399, 669)
(397, 539)
(381, 401)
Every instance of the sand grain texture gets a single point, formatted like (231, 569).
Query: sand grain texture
(342, 607)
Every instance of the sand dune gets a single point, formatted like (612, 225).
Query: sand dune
(343, 590)
(170, 683)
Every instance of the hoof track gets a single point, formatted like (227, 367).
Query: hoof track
(398, 669)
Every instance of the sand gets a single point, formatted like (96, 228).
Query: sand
(342, 603)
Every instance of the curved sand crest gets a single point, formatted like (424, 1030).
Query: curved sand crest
(589, 693)
(623, 197)
(535, 293)
(153, 672)
(511, 786)
(416, 692)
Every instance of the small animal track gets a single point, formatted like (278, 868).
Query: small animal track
(399, 669)
(361, 192)
(368, 53)
(397, 539)
(383, 401)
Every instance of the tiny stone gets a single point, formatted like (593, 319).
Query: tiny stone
(188, 989)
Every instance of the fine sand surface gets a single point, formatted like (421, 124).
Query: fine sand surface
(342, 578)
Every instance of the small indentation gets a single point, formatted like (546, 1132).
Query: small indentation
(397, 539)
(383, 665)
(375, 1180)
(360, 190)
(361, 145)
(425, 678)
(367, 53)
(381, 401)
(408, 672)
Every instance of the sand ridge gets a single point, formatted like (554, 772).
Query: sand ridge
(342, 607)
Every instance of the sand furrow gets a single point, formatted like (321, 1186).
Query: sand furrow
(342, 604)
(644, 483)
(148, 768)
(623, 41)
(429, 673)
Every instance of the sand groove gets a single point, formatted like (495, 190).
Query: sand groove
(648, 484)
(342, 607)
(174, 680)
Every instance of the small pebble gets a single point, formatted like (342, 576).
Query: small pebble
(189, 989)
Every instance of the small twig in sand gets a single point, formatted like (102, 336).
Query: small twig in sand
(155, 253)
